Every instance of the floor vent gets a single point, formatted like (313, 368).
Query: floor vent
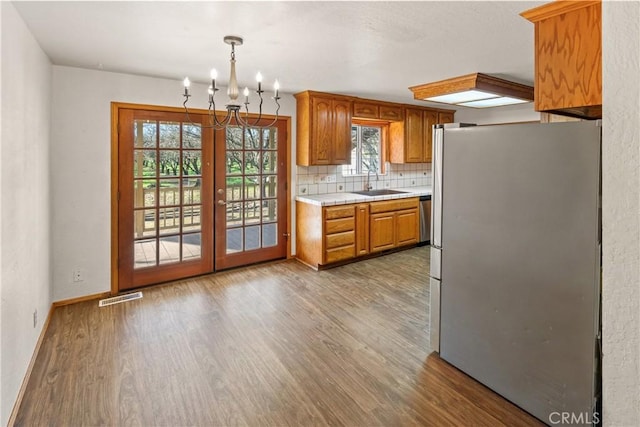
(120, 298)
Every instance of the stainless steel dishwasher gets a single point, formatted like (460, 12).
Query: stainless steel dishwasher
(425, 221)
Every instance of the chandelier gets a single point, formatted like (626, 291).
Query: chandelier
(234, 116)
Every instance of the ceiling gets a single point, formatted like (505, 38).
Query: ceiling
(368, 49)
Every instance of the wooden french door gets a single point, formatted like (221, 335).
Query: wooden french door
(165, 197)
(250, 195)
(176, 217)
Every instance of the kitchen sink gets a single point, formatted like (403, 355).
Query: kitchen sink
(382, 192)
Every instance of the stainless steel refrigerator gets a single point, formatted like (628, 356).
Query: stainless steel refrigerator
(515, 262)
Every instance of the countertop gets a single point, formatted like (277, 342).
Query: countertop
(344, 197)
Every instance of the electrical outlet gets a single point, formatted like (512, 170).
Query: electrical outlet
(78, 276)
(35, 318)
(331, 178)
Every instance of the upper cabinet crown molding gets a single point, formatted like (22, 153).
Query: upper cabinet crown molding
(324, 127)
(568, 57)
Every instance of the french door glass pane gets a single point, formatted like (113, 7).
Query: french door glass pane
(169, 163)
(191, 163)
(191, 191)
(269, 211)
(169, 220)
(144, 134)
(144, 221)
(252, 187)
(144, 195)
(269, 235)
(144, 163)
(191, 219)
(234, 240)
(167, 170)
(252, 238)
(169, 135)
(169, 249)
(191, 136)
(191, 246)
(144, 253)
(169, 192)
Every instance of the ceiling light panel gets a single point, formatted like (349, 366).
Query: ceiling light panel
(474, 90)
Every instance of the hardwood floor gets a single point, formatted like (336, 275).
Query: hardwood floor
(270, 345)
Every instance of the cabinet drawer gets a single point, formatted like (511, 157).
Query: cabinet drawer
(339, 225)
(394, 205)
(338, 254)
(391, 113)
(334, 212)
(365, 110)
(340, 239)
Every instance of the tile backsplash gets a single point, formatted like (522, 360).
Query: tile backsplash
(328, 179)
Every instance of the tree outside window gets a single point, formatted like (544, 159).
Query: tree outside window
(366, 148)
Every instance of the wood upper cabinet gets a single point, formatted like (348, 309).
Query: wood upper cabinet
(365, 109)
(323, 129)
(392, 113)
(568, 57)
(410, 140)
(430, 119)
(341, 149)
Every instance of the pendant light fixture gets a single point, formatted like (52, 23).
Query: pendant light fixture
(234, 117)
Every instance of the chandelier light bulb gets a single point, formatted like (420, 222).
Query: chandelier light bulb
(276, 87)
(234, 116)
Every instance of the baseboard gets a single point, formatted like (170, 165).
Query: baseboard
(36, 351)
(34, 356)
(81, 299)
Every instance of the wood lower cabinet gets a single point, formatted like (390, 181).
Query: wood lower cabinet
(323, 124)
(331, 234)
(393, 223)
(362, 229)
(325, 235)
(382, 231)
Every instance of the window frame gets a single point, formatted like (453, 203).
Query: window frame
(384, 130)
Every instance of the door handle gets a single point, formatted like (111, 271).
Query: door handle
(222, 202)
(220, 191)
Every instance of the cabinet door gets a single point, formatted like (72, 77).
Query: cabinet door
(407, 227)
(382, 231)
(341, 132)
(362, 229)
(430, 118)
(445, 117)
(391, 113)
(365, 110)
(322, 131)
(414, 136)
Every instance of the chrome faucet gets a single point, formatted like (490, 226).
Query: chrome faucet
(368, 186)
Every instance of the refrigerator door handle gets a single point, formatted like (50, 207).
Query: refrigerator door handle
(436, 198)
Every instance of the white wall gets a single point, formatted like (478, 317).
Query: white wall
(506, 114)
(80, 159)
(24, 199)
(621, 213)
